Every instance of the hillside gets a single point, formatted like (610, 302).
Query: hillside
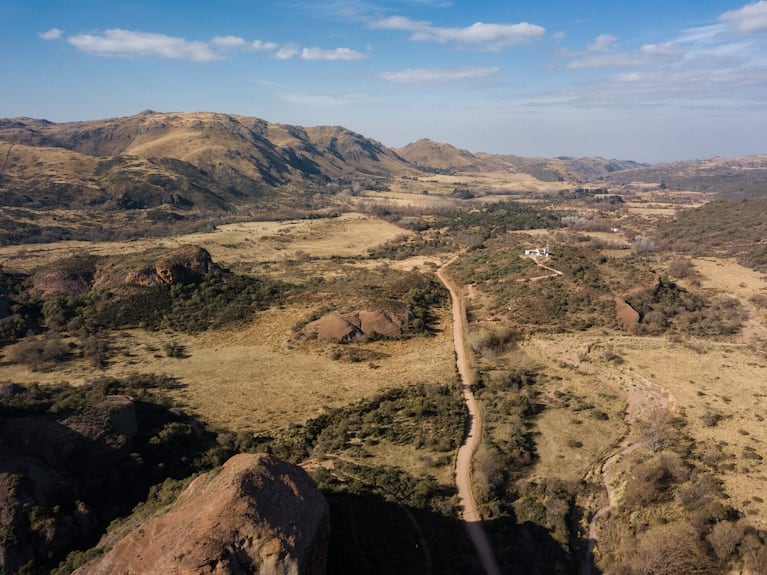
(189, 159)
(562, 169)
(727, 178)
(437, 157)
(443, 158)
(722, 228)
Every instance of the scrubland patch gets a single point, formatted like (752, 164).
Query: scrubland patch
(720, 390)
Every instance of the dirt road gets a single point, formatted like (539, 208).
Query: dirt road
(468, 504)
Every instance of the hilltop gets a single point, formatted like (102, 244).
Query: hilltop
(187, 159)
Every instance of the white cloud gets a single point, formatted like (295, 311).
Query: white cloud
(663, 49)
(437, 75)
(259, 46)
(322, 99)
(401, 23)
(602, 43)
(331, 55)
(52, 34)
(629, 77)
(492, 37)
(750, 19)
(599, 54)
(229, 42)
(286, 52)
(700, 34)
(591, 62)
(127, 43)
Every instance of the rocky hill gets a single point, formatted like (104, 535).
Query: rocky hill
(183, 160)
(564, 169)
(257, 515)
(432, 156)
(437, 157)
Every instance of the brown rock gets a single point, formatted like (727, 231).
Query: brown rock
(72, 276)
(357, 324)
(627, 315)
(37, 472)
(257, 515)
(182, 266)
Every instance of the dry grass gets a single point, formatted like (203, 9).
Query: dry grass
(254, 379)
(694, 378)
(726, 379)
(569, 390)
(237, 245)
(728, 276)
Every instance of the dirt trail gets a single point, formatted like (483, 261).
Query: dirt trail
(469, 511)
(554, 273)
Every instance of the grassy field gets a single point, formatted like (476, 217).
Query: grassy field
(240, 246)
(257, 378)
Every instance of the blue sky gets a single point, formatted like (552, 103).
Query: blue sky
(651, 81)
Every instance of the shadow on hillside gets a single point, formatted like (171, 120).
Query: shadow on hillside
(66, 471)
(370, 535)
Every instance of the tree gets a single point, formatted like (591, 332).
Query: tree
(671, 549)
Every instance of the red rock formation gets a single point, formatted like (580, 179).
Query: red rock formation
(357, 324)
(257, 515)
(182, 266)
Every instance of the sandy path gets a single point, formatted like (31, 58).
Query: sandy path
(468, 504)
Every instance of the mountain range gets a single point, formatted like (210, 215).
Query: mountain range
(211, 161)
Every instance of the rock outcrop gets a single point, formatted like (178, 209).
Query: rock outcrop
(358, 324)
(48, 465)
(77, 275)
(183, 265)
(257, 515)
(69, 277)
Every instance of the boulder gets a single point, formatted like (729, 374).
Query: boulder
(358, 324)
(258, 514)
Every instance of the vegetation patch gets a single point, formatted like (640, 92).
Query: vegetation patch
(669, 306)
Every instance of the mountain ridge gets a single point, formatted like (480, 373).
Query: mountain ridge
(213, 161)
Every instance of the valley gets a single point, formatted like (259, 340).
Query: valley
(262, 288)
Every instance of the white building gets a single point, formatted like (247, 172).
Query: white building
(538, 252)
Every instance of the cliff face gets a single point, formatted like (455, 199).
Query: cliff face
(257, 515)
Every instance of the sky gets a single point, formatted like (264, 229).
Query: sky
(652, 81)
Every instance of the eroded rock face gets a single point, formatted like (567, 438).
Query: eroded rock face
(77, 275)
(68, 278)
(183, 266)
(257, 515)
(357, 324)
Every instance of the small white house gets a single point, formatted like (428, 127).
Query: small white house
(538, 252)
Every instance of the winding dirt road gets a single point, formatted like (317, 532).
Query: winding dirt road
(469, 511)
